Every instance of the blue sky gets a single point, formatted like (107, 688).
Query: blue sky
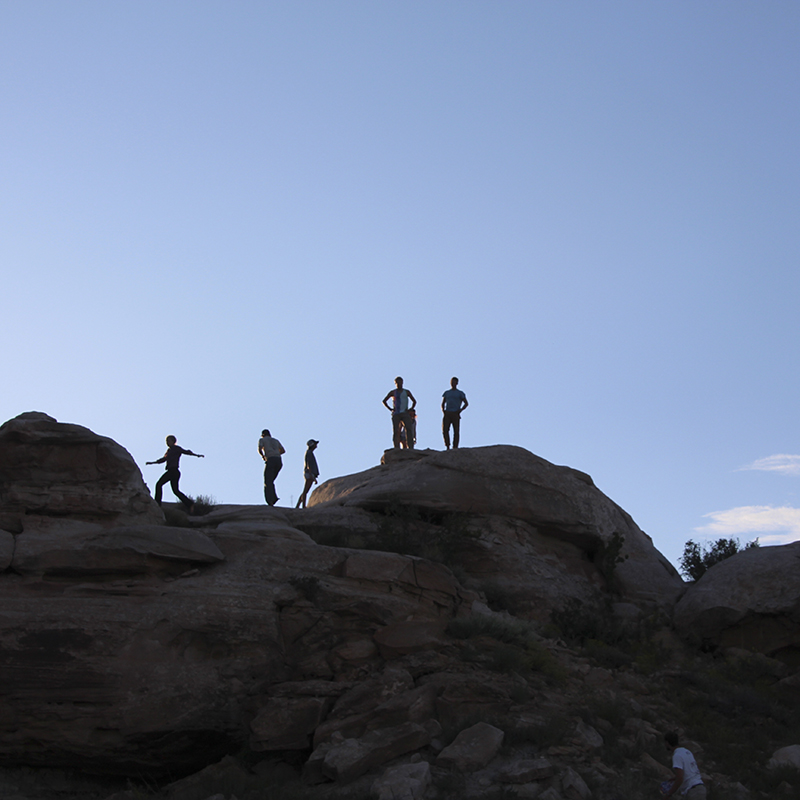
(223, 216)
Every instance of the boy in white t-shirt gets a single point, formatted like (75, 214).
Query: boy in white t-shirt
(687, 775)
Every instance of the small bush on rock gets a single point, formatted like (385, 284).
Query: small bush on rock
(697, 560)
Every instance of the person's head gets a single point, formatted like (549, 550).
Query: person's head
(265, 432)
(671, 740)
(312, 443)
(454, 382)
(171, 440)
(398, 382)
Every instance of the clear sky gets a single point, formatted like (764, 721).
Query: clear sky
(217, 217)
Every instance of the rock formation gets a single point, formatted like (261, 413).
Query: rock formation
(749, 601)
(52, 469)
(547, 530)
(323, 643)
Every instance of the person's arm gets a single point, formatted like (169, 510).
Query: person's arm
(676, 783)
(413, 400)
(280, 447)
(386, 398)
(157, 461)
(466, 403)
(190, 453)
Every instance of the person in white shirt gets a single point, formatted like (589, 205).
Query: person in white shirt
(687, 775)
(271, 451)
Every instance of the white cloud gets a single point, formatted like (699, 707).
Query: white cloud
(783, 463)
(771, 525)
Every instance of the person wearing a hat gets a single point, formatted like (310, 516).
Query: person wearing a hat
(310, 471)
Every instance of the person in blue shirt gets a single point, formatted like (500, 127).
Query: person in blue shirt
(454, 401)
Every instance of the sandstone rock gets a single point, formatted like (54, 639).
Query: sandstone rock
(561, 506)
(133, 674)
(53, 547)
(785, 756)
(403, 638)
(53, 468)
(347, 761)
(526, 770)
(573, 786)
(749, 601)
(404, 782)
(224, 778)
(472, 749)
(656, 768)
(551, 793)
(587, 736)
(6, 549)
(526, 791)
(286, 723)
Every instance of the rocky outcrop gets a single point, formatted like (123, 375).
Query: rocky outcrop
(749, 601)
(325, 647)
(50, 468)
(547, 530)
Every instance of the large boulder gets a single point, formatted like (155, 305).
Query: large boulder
(149, 650)
(51, 468)
(750, 600)
(544, 529)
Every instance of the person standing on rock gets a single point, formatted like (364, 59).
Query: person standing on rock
(687, 775)
(400, 409)
(454, 401)
(310, 471)
(172, 458)
(271, 451)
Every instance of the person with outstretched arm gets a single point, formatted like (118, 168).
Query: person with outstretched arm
(172, 475)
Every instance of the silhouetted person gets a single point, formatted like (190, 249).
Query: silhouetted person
(411, 430)
(310, 471)
(687, 779)
(400, 409)
(452, 407)
(271, 451)
(173, 474)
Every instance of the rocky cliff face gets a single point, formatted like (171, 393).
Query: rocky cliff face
(546, 531)
(339, 633)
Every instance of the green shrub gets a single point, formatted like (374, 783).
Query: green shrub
(203, 504)
(504, 629)
(697, 560)
(578, 622)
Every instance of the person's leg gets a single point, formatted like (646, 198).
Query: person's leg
(446, 430)
(696, 793)
(456, 429)
(397, 420)
(174, 477)
(271, 470)
(301, 503)
(160, 486)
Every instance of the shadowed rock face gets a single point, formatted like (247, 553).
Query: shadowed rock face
(134, 647)
(50, 468)
(541, 524)
(750, 601)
